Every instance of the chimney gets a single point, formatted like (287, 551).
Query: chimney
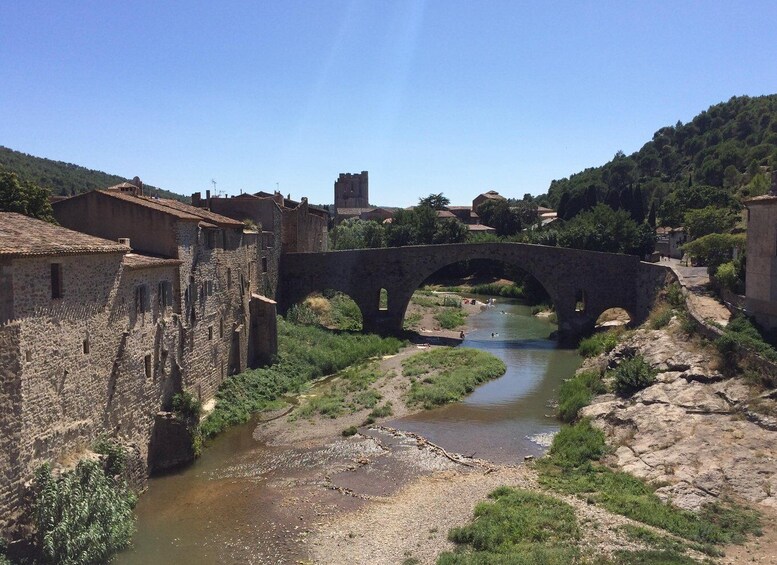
(125, 241)
(197, 199)
(278, 197)
(207, 198)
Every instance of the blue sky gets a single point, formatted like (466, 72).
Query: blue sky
(437, 96)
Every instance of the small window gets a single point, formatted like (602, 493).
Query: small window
(28, 355)
(383, 299)
(208, 288)
(147, 362)
(56, 280)
(229, 279)
(165, 294)
(141, 299)
(86, 346)
(221, 327)
(210, 333)
(264, 264)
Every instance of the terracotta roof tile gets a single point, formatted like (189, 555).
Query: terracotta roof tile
(137, 261)
(22, 236)
(180, 210)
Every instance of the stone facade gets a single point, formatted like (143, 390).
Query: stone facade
(761, 280)
(95, 340)
(352, 190)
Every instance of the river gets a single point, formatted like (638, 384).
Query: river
(218, 509)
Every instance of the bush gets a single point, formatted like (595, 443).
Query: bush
(632, 375)
(726, 276)
(660, 316)
(598, 343)
(186, 406)
(115, 455)
(350, 431)
(576, 393)
(81, 517)
(302, 314)
(576, 445)
(518, 526)
(451, 319)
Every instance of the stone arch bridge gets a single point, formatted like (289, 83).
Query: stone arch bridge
(603, 280)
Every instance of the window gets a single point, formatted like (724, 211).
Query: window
(229, 279)
(264, 264)
(86, 346)
(383, 299)
(208, 288)
(141, 299)
(580, 301)
(56, 280)
(165, 294)
(147, 362)
(210, 333)
(221, 327)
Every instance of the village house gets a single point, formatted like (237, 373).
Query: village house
(761, 279)
(669, 241)
(89, 346)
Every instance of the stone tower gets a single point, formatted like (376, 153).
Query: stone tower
(352, 190)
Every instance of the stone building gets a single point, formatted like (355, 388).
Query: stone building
(761, 280)
(286, 226)
(217, 276)
(485, 197)
(71, 366)
(352, 190)
(669, 241)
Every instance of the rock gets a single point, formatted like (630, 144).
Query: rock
(684, 496)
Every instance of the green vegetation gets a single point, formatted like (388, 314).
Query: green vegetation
(66, 179)
(82, 516)
(305, 353)
(450, 319)
(572, 467)
(350, 431)
(417, 226)
(632, 375)
(517, 526)
(602, 342)
(186, 406)
(507, 290)
(742, 333)
(24, 197)
(115, 456)
(714, 249)
(576, 393)
(447, 374)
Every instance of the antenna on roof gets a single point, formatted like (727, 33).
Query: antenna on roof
(213, 181)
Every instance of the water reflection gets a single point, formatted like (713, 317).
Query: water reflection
(497, 419)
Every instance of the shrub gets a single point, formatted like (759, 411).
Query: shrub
(660, 316)
(726, 275)
(450, 319)
(186, 406)
(518, 526)
(115, 455)
(451, 302)
(382, 411)
(674, 295)
(576, 445)
(598, 343)
(576, 393)
(632, 375)
(302, 314)
(81, 517)
(350, 431)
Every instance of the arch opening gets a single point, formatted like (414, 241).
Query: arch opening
(382, 299)
(329, 308)
(613, 318)
(436, 304)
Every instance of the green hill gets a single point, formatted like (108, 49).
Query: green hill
(66, 179)
(721, 156)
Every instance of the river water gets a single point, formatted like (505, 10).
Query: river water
(216, 510)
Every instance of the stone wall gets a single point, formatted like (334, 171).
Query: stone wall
(10, 422)
(602, 280)
(352, 190)
(304, 231)
(6, 290)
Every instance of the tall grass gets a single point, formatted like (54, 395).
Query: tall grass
(599, 343)
(447, 374)
(576, 393)
(451, 318)
(517, 526)
(304, 353)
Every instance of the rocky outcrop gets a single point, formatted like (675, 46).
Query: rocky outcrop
(695, 431)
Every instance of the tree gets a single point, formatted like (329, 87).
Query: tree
(435, 201)
(707, 220)
(499, 215)
(24, 197)
(714, 249)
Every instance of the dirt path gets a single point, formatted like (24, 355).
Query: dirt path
(696, 281)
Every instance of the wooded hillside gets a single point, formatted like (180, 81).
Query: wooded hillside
(723, 155)
(65, 179)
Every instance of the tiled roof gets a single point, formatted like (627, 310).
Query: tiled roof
(764, 199)
(137, 261)
(445, 214)
(22, 236)
(480, 227)
(211, 217)
(180, 210)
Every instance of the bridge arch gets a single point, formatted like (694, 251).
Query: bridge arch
(607, 280)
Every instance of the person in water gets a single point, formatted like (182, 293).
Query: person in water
(461, 335)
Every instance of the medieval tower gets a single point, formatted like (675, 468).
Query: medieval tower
(352, 191)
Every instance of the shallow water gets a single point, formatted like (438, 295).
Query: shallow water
(497, 421)
(220, 510)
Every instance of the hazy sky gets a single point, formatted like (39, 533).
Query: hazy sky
(436, 96)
